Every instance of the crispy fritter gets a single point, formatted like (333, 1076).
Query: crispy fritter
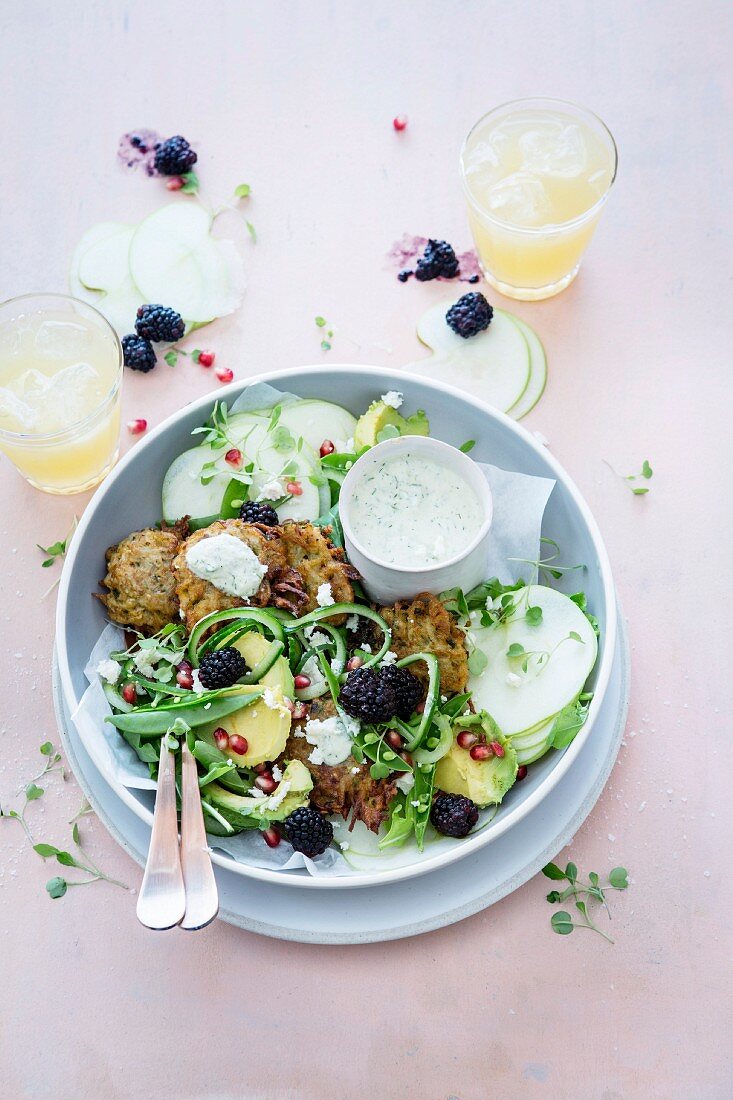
(310, 552)
(198, 597)
(424, 625)
(140, 587)
(337, 789)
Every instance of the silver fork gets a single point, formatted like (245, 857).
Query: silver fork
(202, 896)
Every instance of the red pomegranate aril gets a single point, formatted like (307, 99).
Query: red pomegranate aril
(184, 678)
(263, 768)
(206, 358)
(175, 183)
(221, 739)
(301, 681)
(224, 374)
(393, 739)
(354, 662)
(496, 748)
(271, 837)
(294, 488)
(137, 427)
(400, 122)
(299, 711)
(238, 744)
(266, 783)
(465, 739)
(129, 694)
(327, 448)
(420, 708)
(481, 752)
(521, 772)
(233, 457)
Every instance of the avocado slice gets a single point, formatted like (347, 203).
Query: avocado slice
(248, 812)
(380, 416)
(485, 782)
(254, 647)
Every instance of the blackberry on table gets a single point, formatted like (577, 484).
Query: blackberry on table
(437, 261)
(454, 814)
(367, 696)
(407, 689)
(258, 511)
(138, 353)
(161, 324)
(308, 831)
(222, 668)
(174, 157)
(470, 315)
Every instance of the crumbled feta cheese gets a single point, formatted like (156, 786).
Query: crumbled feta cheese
(145, 661)
(324, 595)
(344, 845)
(344, 446)
(356, 770)
(269, 699)
(331, 739)
(227, 563)
(198, 687)
(365, 647)
(389, 658)
(352, 623)
(276, 773)
(277, 796)
(109, 670)
(335, 665)
(393, 398)
(513, 679)
(315, 636)
(256, 792)
(312, 669)
(271, 490)
(405, 782)
(414, 801)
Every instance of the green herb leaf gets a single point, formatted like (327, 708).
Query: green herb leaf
(646, 470)
(467, 446)
(242, 191)
(190, 183)
(46, 748)
(554, 896)
(571, 872)
(551, 870)
(389, 431)
(321, 322)
(56, 887)
(477, 662)
(252, 232)
(576, 637)
(32, 792)
(45, 850)
(196, 354)
(561, 923)
(171, 358)
(75, 833)
(516, 649)
(619, 878)
(325, 345)
(533, 616)
(66, 859)
(639, 492)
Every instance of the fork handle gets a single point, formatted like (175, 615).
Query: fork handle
(162, 900)
(202, 896)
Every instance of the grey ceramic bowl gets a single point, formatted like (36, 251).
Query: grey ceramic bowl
(130, 499)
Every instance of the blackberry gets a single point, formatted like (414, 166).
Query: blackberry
(437, 261)
(255, 511)
(403, 276)
(222, 668)
(138, 353)
(159, 324)
(174, 157)
(366, 695)
(407, 689)
(308, 831)
(454, 815)
(470, 315)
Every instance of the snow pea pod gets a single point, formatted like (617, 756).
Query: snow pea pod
(155, 722)
(252, 614)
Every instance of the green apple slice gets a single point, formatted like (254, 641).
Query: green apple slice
(537, 371)
(103, 265)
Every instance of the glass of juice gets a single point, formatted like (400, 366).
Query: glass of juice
(536, 174)
(60, 383)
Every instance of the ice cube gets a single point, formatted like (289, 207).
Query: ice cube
(63, 340)
(32, 384)
(519, 198)
(16, 414)
(555, 149)
(73, 388)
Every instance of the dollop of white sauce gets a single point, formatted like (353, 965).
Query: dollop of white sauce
(331, 739)
(408, 510)
(227, 563)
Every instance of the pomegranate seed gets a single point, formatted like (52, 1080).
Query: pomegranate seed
(300, 711)
(466, 740)
(496, 748)
(129, 694)
(233, 457)
(266, 783)
(393, 739)
(206, 358)
(175, 183)
(521, 772)
(327, 448)
(420, 708)
(263, 767)
(294, 488)
(302, 681)
(184, 678)
(221, 738)
(289, 704)
(184, 666)
(407, 757)
(224, 374)
(354, 662)
(238, 744)
(481, 752)
(271, 837)
(137, 427)
(400, 123)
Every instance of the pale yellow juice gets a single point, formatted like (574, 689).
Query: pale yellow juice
(60, 377)
(535, 174)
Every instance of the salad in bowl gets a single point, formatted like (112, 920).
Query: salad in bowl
(315, 708)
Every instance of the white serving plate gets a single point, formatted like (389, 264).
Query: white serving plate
(130, 499)
(400, 909)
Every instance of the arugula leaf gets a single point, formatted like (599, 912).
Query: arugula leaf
(242, 191)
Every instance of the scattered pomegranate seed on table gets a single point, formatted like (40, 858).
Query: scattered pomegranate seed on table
(294, 488)
(175, 183)
(221, 737)
(481, 752)
(233, 457)
(327, 448)
(224, 374)
(400, 122)
(271, 837)
(137, 427)
(129, 694)
(238, 744)
(206, 358)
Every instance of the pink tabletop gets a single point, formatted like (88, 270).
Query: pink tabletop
(298, 101)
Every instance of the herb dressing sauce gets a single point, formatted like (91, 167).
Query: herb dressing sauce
(410, 511)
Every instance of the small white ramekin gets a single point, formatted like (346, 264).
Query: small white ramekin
(386, 582)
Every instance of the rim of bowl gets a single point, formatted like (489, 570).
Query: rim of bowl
(403, 443)
(497, 827)
(550, 226)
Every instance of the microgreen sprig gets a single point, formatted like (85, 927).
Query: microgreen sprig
(57, 549)
(322, 323)
(57, 886)
(31, 790)
(583, 893)
(646, 473)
